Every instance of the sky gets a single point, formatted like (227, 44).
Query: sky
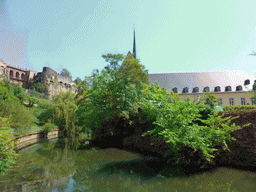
(171, 35)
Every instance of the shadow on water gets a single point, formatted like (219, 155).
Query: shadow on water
(141, 168)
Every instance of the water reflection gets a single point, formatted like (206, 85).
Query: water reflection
(46, 168)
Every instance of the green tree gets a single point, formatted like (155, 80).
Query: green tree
(210, 99)
(175, 122)
(78, 80)
(109, 94)
(66, 73)
(64, 116)
(253, 93)
(38, 86)
(7, 143)
(131, 68)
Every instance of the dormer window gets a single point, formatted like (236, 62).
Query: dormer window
(185, 90)
(175, 90)
(239, 88)
(206, 89)
(247, 82)
(217, 89)
(195, 90)
(228, 88)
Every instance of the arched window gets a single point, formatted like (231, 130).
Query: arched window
(217, 89)
(11, 73)
(239, 88)
(228, 88)
(195, 90)
(23, 76)
(206, 89)
(175, 90)
(247, 82)
(17, 75)
(185, 90)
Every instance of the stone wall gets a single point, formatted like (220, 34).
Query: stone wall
(53, 82)
(33, 138)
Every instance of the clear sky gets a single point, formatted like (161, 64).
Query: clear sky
(171, 35)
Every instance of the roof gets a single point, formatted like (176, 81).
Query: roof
(201, 80)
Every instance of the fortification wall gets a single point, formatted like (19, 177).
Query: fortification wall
(55, 88)
(53, 82)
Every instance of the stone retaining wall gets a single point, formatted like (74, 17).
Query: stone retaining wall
(33, 138)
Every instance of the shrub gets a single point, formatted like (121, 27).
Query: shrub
(34, 93)
(32, 101)
(7, 155)
(236, 107)
(39, 87)
(48, 127)
(21, 97)
(175, 122)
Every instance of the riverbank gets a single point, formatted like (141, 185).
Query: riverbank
(33, 138)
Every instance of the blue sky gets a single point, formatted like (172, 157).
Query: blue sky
(171, 36)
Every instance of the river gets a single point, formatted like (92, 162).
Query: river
(42, 167)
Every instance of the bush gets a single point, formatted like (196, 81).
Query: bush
(34, 93)
(48, 127)
(175, 123)
(7, 156)
(44, 116)
(236, 107)
(44, 103)
(32, 101)
(16, 89)
(21, 97)
(39, 87)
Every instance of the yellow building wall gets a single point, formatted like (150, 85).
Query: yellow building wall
(225, 96)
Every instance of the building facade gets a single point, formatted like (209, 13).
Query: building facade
(52, 81)
(230, 86)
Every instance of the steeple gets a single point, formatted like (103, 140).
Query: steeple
(134, 45)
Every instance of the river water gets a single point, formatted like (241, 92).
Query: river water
(43, 167)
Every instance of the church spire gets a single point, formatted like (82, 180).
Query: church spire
(134, 45)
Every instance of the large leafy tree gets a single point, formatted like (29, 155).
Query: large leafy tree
(131, 68)
(66, 73)
(63, 113)
(109, 93)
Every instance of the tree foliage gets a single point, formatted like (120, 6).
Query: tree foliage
(7, 155)
(64, 116)
(109, 94)
(131, 68)
(66, 73)
(175, 122)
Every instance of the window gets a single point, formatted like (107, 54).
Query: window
(217, 89)
(22, 76)
(220, 101)
(228, 88)
(17, 75)
(231, 101)
(239, 88)
(253, 101)
(206, 89)
(185, 90)
(243, 101)
(11, 73)
(247, 82)
(175, 90)
(195, 89)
